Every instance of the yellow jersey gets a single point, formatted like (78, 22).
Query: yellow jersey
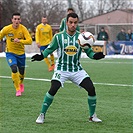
(21, 33)
(43, 34)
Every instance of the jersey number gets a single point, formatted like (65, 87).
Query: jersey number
(57, 75)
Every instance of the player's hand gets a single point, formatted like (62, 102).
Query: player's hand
(37, 57)
(98, 55)
(16, 40)
(38, 45)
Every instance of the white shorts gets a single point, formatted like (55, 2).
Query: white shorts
(75, 77)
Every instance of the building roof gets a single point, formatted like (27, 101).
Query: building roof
(115, 16)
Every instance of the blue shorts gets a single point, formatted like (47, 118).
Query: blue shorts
(14, 59)
(42, 48)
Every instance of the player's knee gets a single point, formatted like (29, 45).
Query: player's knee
(21, 70)
(91, 92)
(55, 85)
(14, 68)
(88, 86)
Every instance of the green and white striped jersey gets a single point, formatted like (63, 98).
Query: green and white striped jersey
(68, 51)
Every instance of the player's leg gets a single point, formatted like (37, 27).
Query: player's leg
(48, 98)
(42, 48)
(48, 63)
(55, 85)
(12, 62)
(57, 81)
(89, 87)
(52, 62)
(52, 59)
(15, 76)
(82, 79)
(21, 68)
(21, 77)
(21, 74)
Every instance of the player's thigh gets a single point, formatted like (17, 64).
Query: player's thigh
(11, 59)
(79, 76)
(21, 63)
(60, 76)
(87, 84)
(21, 60)
(55, 85)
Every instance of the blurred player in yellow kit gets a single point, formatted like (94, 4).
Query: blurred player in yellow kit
(17, 36)
(43, 38)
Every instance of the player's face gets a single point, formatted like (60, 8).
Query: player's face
(72, 24)
(44, 20)
(16, 21)
(70, 11)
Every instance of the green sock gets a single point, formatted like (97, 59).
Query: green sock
(47, 102)
(92, 104)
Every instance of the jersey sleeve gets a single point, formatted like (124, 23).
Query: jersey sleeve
(62, 25)
(27, 38)
(51, 48)
(78, 28)
(37, 35)
(2, 34)
(89, 52)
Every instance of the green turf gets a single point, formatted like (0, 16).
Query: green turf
(69, 111)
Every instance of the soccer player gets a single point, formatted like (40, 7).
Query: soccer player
(68, 67)
(43, 37)
(63, 25)
(16, 37)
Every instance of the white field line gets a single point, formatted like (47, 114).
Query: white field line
(100, 62)
(106, 62)
(48, 80)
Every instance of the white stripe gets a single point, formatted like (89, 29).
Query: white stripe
(68, 42)
(62, 52)
(109, 84)
(106, 62)
(48, 80)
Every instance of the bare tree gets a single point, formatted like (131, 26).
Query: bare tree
(79, 4)
(110, 5)
(86, 10)
(0, 15)
(83, 9)
(118, 4)
(33, 11)
(54, 10)
(101, 6)
(69, 3)
(7, 8)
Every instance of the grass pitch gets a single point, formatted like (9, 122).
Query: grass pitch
(69, 110)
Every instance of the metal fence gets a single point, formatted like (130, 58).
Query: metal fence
(112, 30)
